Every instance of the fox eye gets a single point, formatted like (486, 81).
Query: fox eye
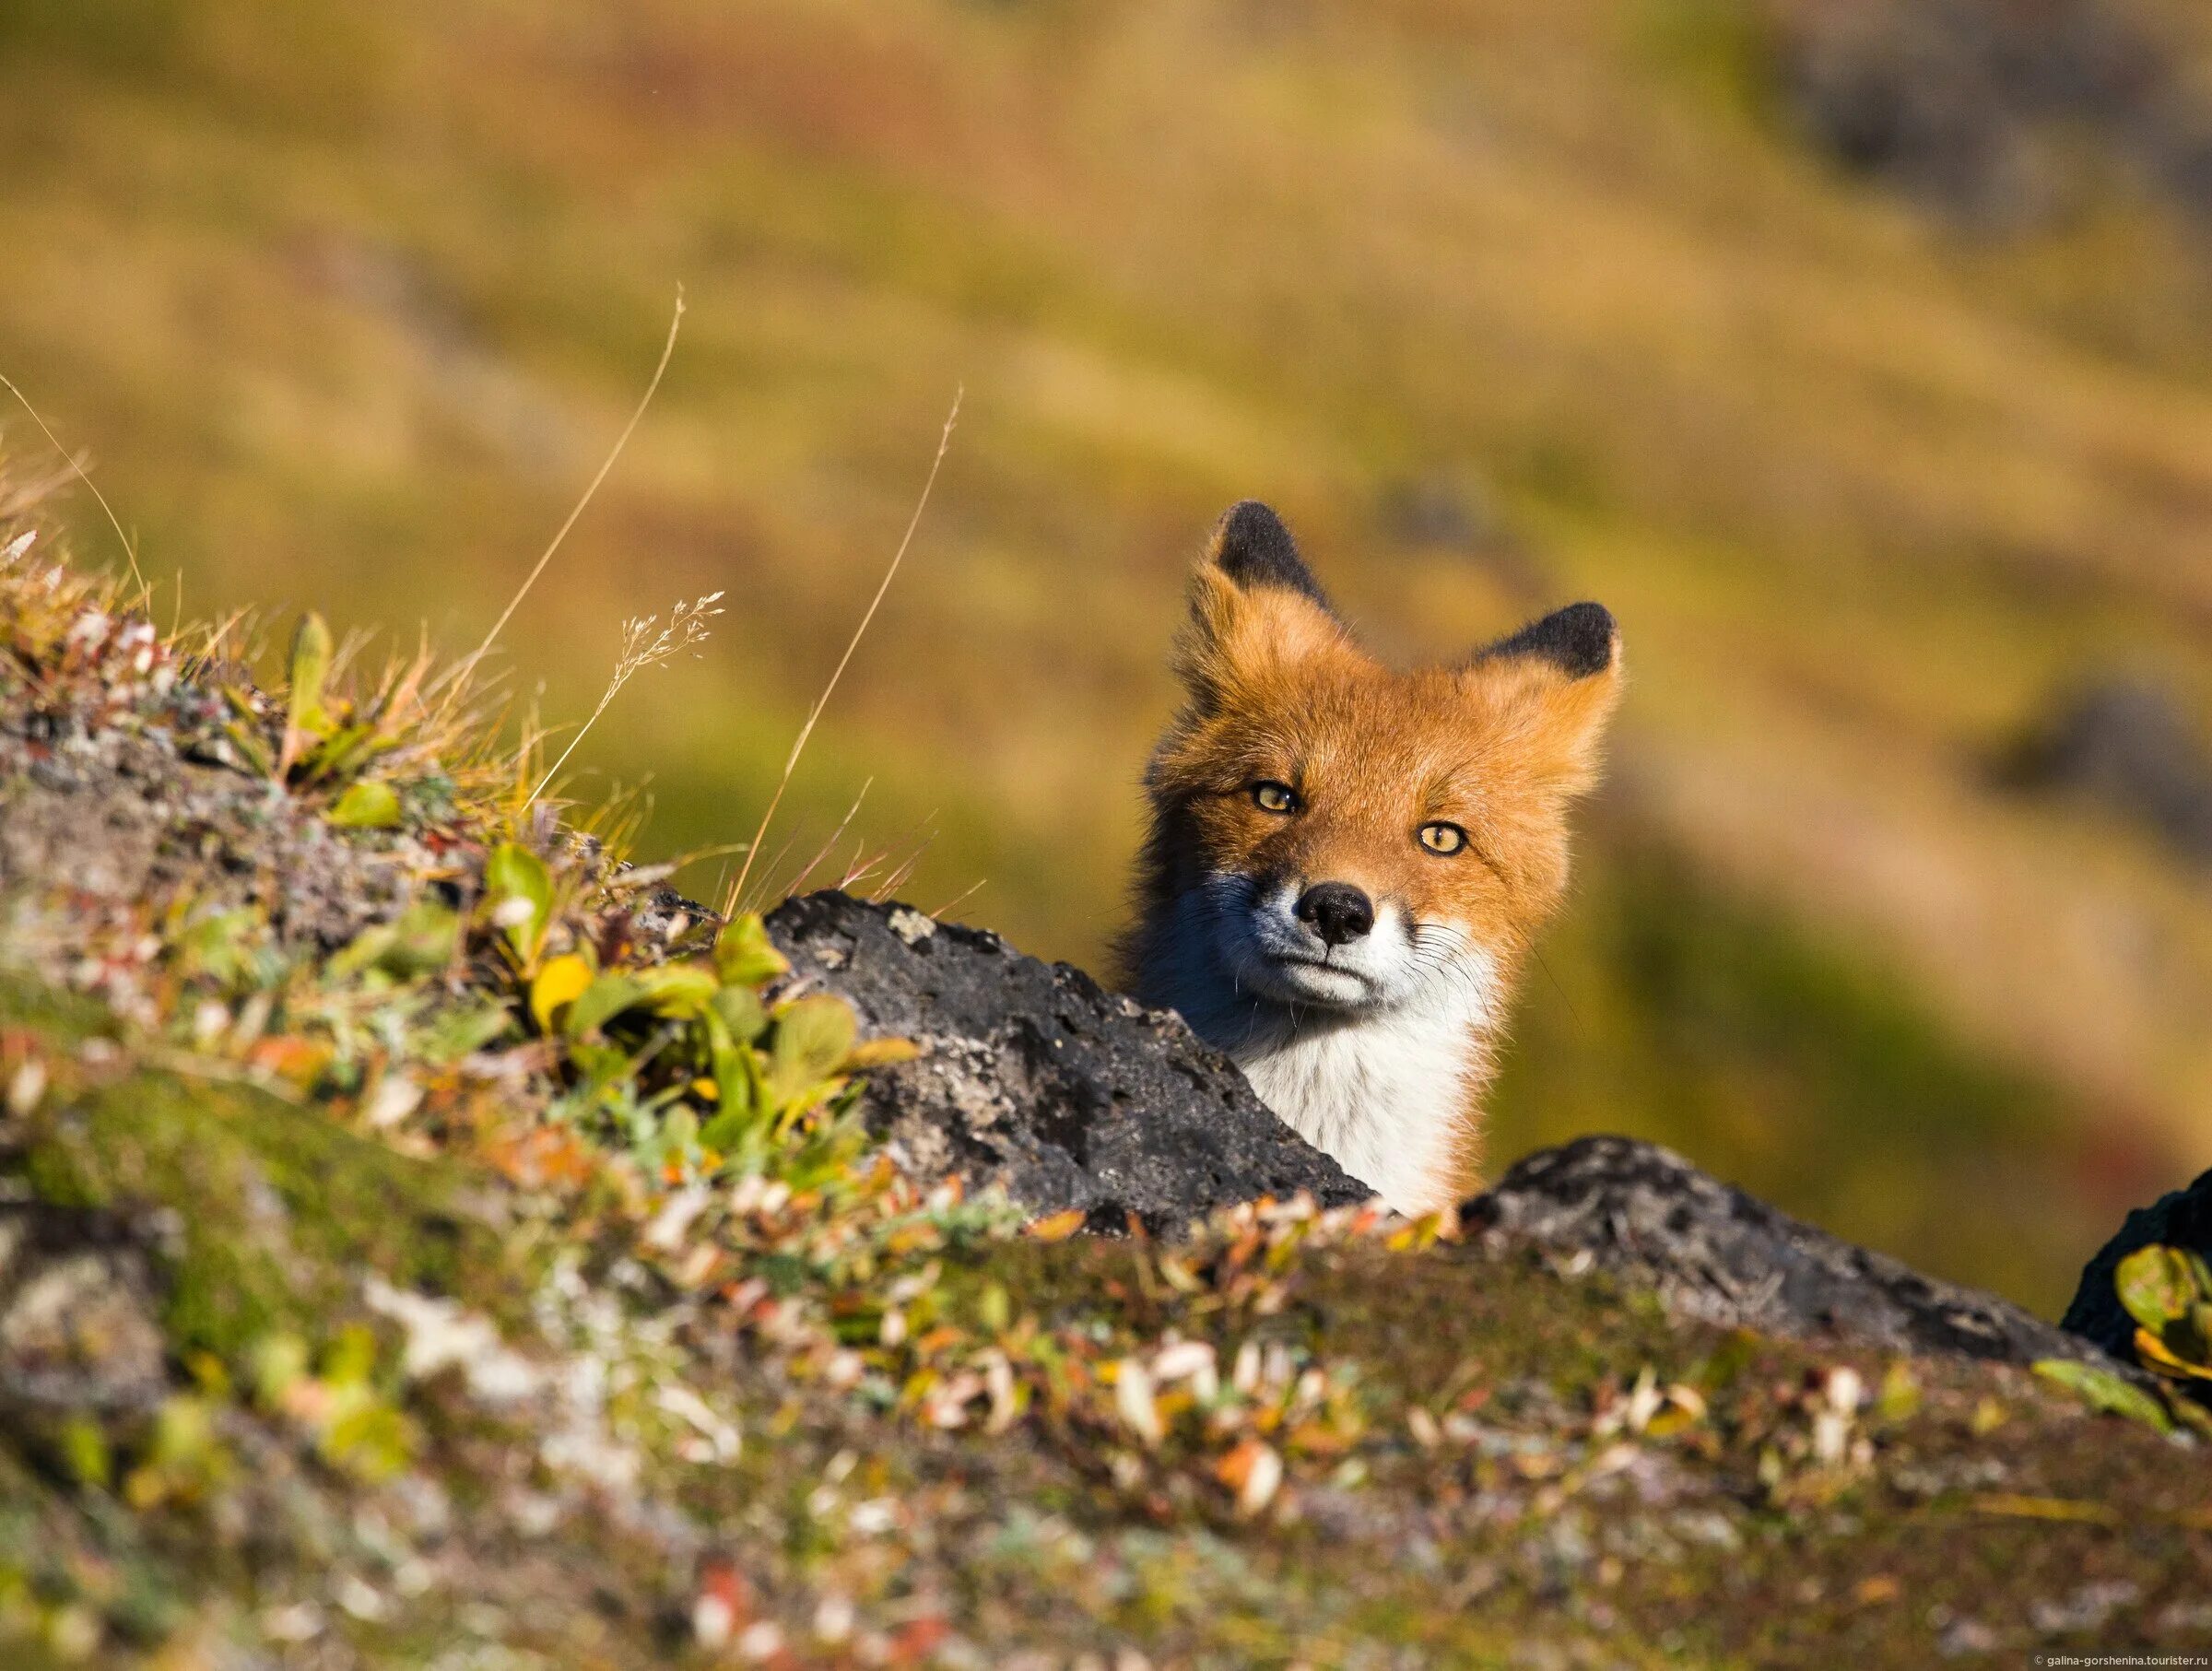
(1443, 838)
(1271, 796)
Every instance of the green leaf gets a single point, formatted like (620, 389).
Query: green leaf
(2107, 1391)
(680, 991)
(813, 1036)
(1899, 1395)
(304, 715)
(680, 1130)
(519, 889)
(367, 805)
(350, 1358)
(460, 1032)
(737, 1068)
(430, 933)
(369, 1439)
(2153, 1284)
(420, 942)
(246, 737)
(726, 1130)
(746, 955)
(85, 1451)
(276, 1361)
(739, 1011)
(2192, 1415)
(2158, 1285)
(341, 754)
(607, 997)
(310, 667)
(225, 947)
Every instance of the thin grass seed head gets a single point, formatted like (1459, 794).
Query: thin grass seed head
(645, 643)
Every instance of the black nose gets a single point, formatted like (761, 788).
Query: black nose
(1337, 910)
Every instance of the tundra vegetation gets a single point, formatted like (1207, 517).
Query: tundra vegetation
(425, 1241)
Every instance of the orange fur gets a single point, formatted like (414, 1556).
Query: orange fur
(1278, 692)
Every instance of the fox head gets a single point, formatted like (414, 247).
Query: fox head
(1333, 838)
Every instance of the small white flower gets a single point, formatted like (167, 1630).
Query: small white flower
(833, 1618)
(1133, 1401)
(1191, 1360)
(761, 1640)
(712, 1620)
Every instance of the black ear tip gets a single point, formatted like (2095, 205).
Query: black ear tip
(1579, 640)
(1252, 518)
(1587, 636)
(1253, 548)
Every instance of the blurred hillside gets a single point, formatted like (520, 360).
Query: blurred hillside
(1858, 356)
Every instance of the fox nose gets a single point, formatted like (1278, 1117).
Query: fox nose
(1337, 910)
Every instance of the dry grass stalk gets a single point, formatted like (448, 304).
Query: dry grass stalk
(945, 911)
(130, 553)
(456, 682)
(645, 643)
(823, 852)
(735, 894)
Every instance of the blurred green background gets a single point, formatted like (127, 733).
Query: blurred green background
(1858, 354)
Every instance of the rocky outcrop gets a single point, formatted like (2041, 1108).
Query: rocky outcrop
(77, 1309)
(1998, 116)
(1714, 1252)
(1034, 1079)
(115, 817)
(2180, 1218)
(2126, 746)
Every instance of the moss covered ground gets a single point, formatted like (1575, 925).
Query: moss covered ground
(860, 1429)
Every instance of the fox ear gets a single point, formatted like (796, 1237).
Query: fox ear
(1554, 685)
(1255, 550)
(1255, 608)
(1580, 640)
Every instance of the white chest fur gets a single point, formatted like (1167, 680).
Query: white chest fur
(1384, 1093)
(1384, 1089)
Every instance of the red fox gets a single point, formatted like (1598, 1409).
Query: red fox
(1347, 863)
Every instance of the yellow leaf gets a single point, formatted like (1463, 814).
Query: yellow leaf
(1056, 1227)
(880, 1052)
(2154, 1355)
(2046, 1508)
(559, 983)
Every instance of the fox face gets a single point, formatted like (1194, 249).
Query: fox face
(1347, 862)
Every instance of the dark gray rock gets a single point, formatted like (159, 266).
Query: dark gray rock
(1034, 1077)
(1648, 1215)
(100, 821)
(2128, 746)
(2000, 114)
(2179, 1219)
(124, 818)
